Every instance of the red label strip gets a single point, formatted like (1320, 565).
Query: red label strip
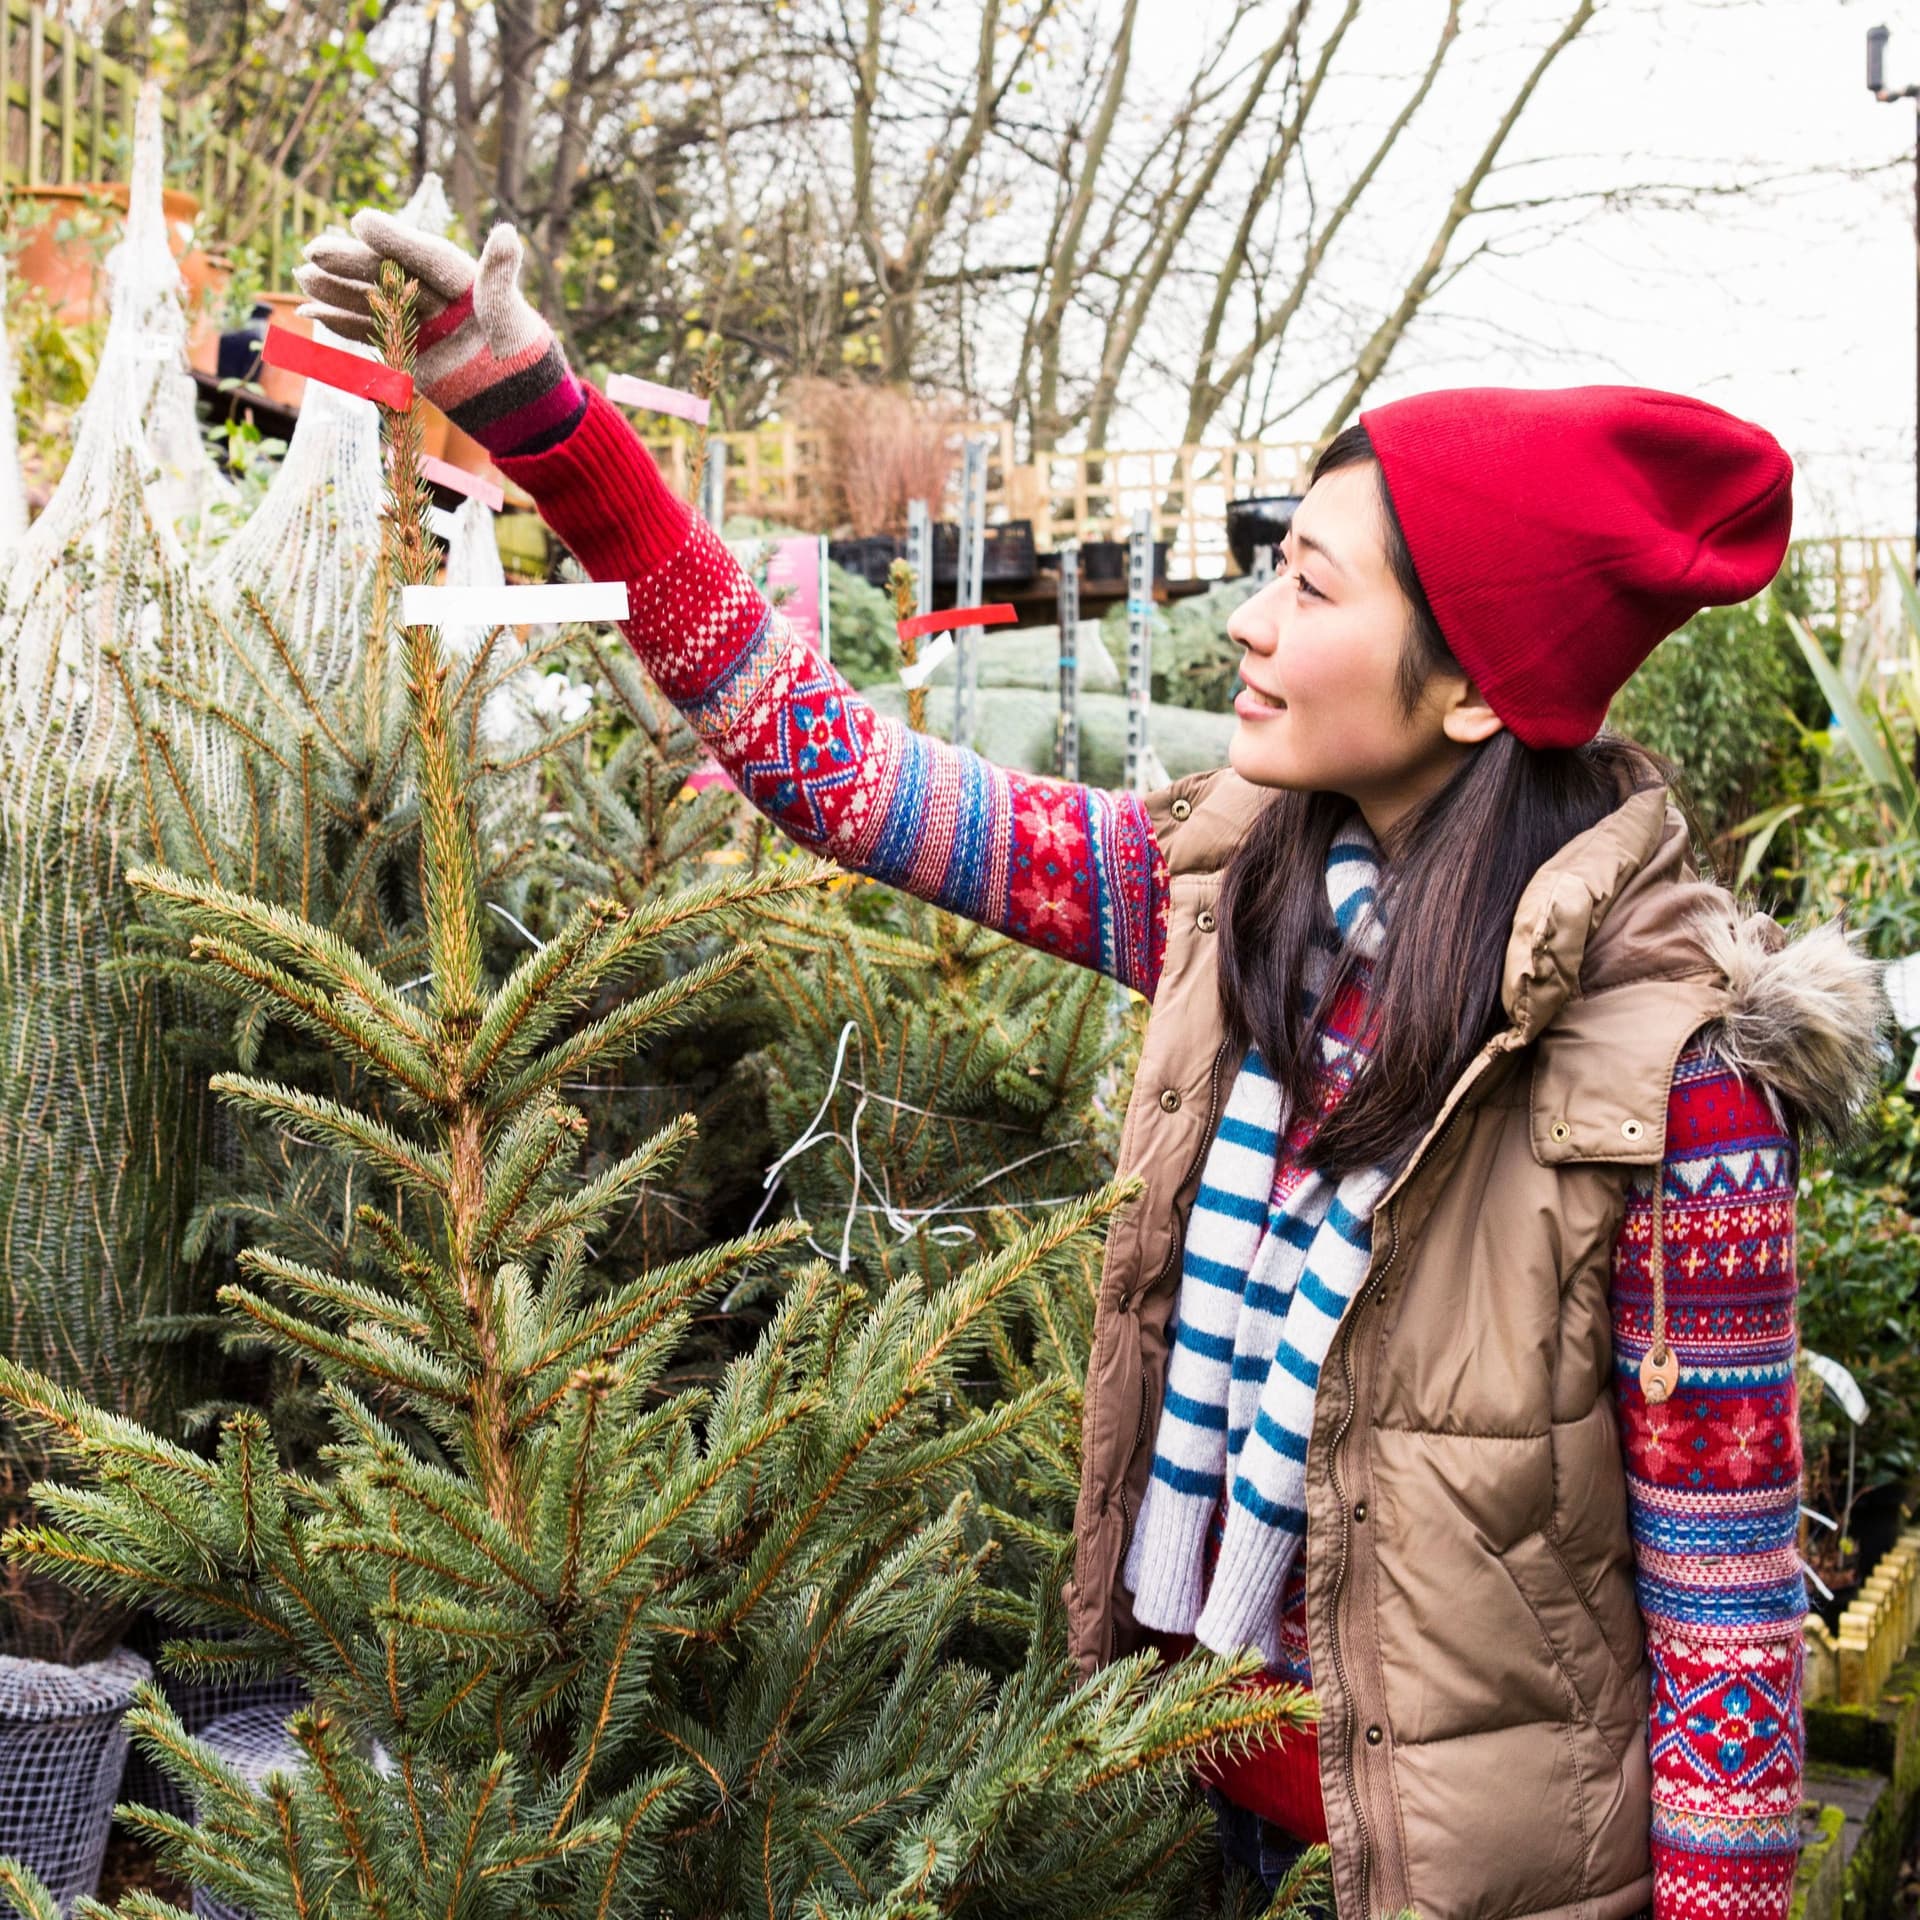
(367, 379)
(443, 473)
(921, 624)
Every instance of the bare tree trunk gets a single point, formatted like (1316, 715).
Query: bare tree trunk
(1209, 391)
(1387, 335)
(1124, 334)
(1064, 256)
(423, 104)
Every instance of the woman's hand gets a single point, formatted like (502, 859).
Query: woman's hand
(482, 355)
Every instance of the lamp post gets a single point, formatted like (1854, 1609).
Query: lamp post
(1877, 38)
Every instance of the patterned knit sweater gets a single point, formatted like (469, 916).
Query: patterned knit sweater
(1713, 1473)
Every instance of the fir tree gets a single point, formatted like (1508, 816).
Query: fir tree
(578, 1643)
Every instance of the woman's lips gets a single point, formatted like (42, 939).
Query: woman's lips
(1254, 706)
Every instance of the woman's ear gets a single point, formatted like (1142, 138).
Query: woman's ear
(1465, 717)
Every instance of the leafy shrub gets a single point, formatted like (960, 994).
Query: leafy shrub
(1720, 698)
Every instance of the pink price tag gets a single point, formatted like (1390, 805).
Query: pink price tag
(443, 473)
(333, 367)
(629, 391)
(709, 773)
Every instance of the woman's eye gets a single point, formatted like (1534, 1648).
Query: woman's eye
(1306, 586)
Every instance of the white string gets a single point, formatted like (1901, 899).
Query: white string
(807, 1138)
(533, 939)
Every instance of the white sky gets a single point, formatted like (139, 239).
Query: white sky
(1795, 309)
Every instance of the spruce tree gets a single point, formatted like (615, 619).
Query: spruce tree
(578, 1642)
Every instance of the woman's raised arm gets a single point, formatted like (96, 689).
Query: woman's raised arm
(1074, 870)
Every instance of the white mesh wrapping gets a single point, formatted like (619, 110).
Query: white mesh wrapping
(254, 1743)
(13, 486)
(311, 548)
(62, 1749)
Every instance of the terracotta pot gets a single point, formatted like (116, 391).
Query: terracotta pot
(281, 387)
(204, 312)
(71, 271)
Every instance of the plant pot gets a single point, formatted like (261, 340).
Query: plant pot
(204, 312)
(70, 271)
(62, 1751)
(281, 387)
(1260, 520)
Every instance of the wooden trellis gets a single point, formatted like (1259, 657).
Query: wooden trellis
(66, 118)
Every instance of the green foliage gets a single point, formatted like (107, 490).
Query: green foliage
(1859, 1268)
(1853, 841)
(954, 1083)
(581, 1641)
(1720, 699)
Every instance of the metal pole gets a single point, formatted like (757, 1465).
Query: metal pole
(920, 554)
(1066, 743)
(1139, 646)
(713, 485)
(969, 586)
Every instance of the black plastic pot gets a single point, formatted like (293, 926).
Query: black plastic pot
(1260, 520)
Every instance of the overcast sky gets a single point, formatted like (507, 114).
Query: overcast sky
(1794, 308)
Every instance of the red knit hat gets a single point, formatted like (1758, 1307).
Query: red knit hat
(1562, 533)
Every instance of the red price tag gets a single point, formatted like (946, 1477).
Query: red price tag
(366, 379)
(922, 624)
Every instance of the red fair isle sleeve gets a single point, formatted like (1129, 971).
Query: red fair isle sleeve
(1074, 870)
(1713, 1482)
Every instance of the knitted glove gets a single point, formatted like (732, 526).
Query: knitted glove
(482, 355)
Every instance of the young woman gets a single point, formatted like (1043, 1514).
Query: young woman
(1448, 1357)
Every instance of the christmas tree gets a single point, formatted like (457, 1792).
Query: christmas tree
(578, 1641)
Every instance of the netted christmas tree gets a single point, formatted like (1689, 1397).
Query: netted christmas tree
(100, 1133)
(580, 1642)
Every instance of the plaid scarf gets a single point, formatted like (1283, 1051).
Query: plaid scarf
(1267, 1270)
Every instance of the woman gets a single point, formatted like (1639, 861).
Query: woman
(1447, 1358)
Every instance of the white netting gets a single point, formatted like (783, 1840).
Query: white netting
(311, 549)
(429, 208)
(62, 1749)
(254, 1743)
(141, 401)
(13, 487)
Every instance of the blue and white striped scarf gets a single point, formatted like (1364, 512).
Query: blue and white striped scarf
(1263, 1284)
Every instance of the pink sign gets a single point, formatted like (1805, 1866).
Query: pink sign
(795, 563)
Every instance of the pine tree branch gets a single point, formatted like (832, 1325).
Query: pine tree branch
(326, 1123)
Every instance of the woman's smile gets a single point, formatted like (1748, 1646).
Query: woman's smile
(1250, 703)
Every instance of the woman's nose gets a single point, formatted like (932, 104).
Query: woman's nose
(1252, 623)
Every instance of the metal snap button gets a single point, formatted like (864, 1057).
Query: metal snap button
(1374, 1736)
(1181, 808)
(1169, 1100)
(1632, 1129)
(1561, 1131)
(1359, 1509)
(1204, 919)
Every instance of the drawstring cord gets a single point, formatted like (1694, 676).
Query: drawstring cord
(1659, 1368)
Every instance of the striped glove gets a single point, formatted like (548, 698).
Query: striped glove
(482, 355)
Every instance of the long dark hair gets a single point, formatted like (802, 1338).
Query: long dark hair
(1455, 870)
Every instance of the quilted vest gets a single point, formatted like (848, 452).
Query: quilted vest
(1475, 1640)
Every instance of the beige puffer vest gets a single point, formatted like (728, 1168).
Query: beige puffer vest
(1476, 1645)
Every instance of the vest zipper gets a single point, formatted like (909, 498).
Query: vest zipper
(1346, 1514)
(1140, 1429)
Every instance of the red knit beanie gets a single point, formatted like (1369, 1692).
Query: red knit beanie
(1562, 533)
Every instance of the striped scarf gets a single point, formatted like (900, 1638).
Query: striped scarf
(1267, 1270)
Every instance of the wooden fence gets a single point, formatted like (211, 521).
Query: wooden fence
(66, 118)
(777, 471)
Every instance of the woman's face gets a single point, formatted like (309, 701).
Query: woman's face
(1317, 708)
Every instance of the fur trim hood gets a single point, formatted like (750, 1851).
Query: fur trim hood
(1808, 1016)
